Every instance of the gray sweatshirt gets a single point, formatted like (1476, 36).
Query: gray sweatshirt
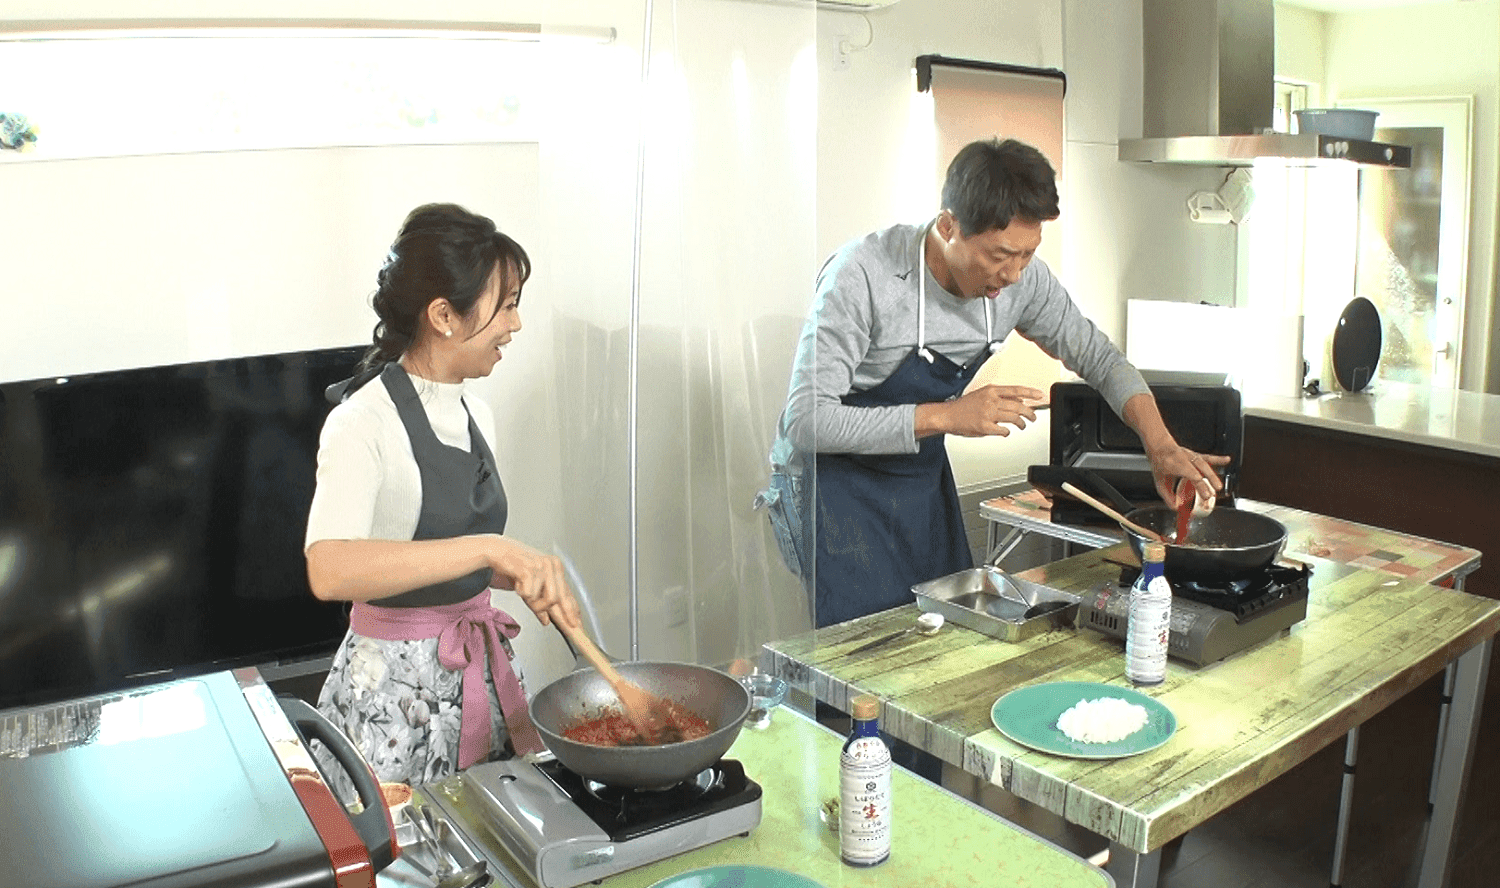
(863, 323)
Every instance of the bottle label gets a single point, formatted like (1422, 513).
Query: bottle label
(865, 802)
(1149, 632)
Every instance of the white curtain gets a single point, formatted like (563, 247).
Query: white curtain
(710, 272)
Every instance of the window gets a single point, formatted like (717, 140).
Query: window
(206, 90)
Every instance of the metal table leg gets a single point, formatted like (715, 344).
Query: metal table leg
(1132, 870)
(1455, 756)
(1346, 797)
(998, 550)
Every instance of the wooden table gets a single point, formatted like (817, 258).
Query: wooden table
(1313, 538)
(938, 839)
(1370, 637)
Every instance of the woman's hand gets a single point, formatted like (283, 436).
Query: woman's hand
(540, 580)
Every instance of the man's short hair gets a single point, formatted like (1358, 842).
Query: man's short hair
(991, 182)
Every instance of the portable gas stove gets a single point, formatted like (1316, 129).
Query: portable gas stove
(1209, 622)
(563, 830)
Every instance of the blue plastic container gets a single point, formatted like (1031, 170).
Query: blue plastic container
(1345, 123)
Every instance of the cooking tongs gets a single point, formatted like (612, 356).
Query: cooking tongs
(448, 874)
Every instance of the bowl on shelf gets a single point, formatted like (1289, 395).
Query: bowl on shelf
(1345, 123)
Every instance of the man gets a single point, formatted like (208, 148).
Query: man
(901, 322)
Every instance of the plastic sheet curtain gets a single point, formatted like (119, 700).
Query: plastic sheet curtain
(678, 257)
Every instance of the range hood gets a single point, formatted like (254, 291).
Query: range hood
(1209, 93)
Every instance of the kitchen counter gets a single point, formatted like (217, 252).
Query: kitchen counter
(1449, 418)
(940, 839)
(1408, 458)
(1369, 639)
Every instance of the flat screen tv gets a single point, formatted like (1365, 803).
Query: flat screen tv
(151, 523)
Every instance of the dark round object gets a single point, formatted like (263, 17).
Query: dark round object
(1226, 544)
(713, 695)
(1356, 344)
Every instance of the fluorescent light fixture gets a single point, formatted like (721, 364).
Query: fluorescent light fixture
(114, 29)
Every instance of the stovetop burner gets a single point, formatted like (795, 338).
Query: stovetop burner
(1241, 597)
(627, 813)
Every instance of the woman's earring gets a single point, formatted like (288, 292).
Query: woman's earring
(447, 332)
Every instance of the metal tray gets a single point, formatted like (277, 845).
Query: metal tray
(988, 600)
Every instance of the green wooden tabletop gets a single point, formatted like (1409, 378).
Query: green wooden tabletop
(939, 840)
(1310, 537)
(1370, 637)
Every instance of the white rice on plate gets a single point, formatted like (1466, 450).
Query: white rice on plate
(1105, 720)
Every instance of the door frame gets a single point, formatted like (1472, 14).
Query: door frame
(1454, 115)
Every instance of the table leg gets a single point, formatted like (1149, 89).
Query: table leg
(1456, 754)
(1131, 869)
(1346, 797)
(998, 550)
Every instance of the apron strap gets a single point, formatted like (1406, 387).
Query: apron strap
(922, 349)
(922, 295)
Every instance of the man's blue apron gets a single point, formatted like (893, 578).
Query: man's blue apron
(887, 522)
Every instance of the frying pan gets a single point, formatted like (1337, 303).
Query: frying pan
(719, 699)
(1226, 544)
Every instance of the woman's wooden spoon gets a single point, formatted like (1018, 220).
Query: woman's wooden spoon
(649, 713)
(1124, 522)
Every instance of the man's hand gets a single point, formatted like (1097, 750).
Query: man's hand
(1173, 462)
(988, 410)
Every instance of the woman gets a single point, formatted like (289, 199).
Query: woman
(408, 518)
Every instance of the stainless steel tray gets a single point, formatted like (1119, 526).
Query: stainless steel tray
(988, 600)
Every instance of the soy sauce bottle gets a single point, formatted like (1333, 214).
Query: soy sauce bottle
(865, 789)
(1150, 623)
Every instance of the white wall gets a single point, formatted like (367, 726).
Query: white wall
(1301, 49)
(1436, 51)
(1124, 228)
(1419, 51)
(742, 205)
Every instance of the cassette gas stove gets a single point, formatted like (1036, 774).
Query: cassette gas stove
(1209, 621)
(564, 830)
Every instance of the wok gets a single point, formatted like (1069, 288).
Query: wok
(719, 699)
(1226, 544)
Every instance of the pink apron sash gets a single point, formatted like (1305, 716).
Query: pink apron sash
(465, 631)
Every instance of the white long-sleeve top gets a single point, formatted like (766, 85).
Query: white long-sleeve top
(368, 484)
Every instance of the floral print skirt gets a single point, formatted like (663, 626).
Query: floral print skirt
(401, 708)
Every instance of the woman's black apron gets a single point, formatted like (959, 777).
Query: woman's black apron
(888, 522)
(461, 492)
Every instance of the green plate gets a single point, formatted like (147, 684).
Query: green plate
(1029, 717)
(735, 876)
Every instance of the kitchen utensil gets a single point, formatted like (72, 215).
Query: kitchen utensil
(1190, 502)
(442, 863)
(1225, 544)
(766, 693)
(1029, 716)
(447, 872)
(713, 695)
(927, 624)
(1125, 522)
(649, 713)
(992, 602)
(1356, 344)
(735, 875)
(1344, 123)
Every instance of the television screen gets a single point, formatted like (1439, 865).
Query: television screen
(151, 523)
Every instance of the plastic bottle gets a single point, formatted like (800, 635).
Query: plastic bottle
(1150, 623)
(865, 789)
